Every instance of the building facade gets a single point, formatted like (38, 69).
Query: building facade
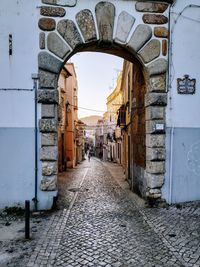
(160, 36)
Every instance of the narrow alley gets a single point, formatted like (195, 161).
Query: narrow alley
(100, 223)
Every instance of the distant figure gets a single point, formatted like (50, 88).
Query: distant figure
(101, 155)
(89, 155)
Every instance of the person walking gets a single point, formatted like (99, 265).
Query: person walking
(89, 155)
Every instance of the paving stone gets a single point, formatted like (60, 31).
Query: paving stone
(92, 232)
(69, 32)
(151, 7)
(52, 11)
(105, 14)
(86, 24)
(150, 51)
(47, 24)
(124, 26)
(69, 3)
(57, 46)
(141, 35)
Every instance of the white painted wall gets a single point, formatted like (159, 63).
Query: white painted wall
(19, 18)
(184, 110)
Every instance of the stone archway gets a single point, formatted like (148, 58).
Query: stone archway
(137, 31)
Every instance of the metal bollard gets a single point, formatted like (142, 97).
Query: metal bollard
(27, 219)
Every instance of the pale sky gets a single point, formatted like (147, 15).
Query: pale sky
(96, 74)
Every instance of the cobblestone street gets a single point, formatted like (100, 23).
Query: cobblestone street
(101, 224)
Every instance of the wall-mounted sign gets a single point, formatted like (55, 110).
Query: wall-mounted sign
(186, 85)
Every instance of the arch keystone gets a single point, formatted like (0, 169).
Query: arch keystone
(105, 14)
(150, 51)
(141, 36)
(69, 32)
(124, 25)
(85, 22)
(57, 46)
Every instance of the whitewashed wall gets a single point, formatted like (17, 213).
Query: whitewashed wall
(182, 179)
(17, 181)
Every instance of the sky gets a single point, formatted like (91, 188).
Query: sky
(97, 75)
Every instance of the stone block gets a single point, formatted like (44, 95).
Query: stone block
(124, 26)
(52, 11)
(140, 37)
(48, 111)
(49, 153)
(154, 112)
(158, 83)
(155, 154)
(67, 3)
(155, 127)
(49, 183)
(49, 62)
(154, 19)
(150, 51)
(42, 40)
(161, 32)
(47, 96)
(47, 80)
(49, 139)
(48, 125)
(154, 181)
(155, 167)
(155, 140)
(49, 168)
(69, 32)
(86, 24)
(57, 46)
(105, 15)
(155, 99)
(159, 66)
(164, 47)
(47, 24)
(154, 193)
(151, 7)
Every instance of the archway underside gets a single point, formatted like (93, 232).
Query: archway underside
(122, 35)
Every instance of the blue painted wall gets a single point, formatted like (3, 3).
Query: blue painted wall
(17, 165)
(183, 162)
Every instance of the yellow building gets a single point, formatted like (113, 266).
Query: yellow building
(114, 101)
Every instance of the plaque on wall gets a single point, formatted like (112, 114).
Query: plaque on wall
(186, 85)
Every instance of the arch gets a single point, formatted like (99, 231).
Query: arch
(138, 35)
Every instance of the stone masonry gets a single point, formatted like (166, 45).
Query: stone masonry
(142, 32)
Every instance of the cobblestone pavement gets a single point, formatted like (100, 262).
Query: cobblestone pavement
(100, 223)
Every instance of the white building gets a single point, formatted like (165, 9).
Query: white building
(21, 41)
